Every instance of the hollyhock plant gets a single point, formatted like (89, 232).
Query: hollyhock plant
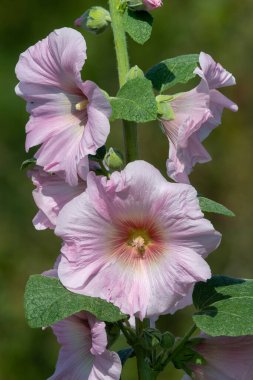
(134, 245)
(68, 117)
(227, 358)
(83, 354)
(51, 194)
(194, 115)
(136, 240)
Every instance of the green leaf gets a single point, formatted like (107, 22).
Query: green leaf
(225, 306)
(28, 162)
(138, 25)
(135, 101)
(47, 302)
(207, 205)
(172, 71)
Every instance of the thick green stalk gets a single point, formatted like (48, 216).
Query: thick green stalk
(130, 129)
(144, 370)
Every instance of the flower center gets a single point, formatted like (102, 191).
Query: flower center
(82, 105)
(139, 239)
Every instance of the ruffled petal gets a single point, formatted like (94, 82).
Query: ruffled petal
(75, 360)
(187, 152)
(106, 367)
(214, 73)
(123, 238)
(55, 60)
(50, 195)
(61, 152)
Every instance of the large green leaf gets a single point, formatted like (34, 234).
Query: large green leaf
(172, 71)
(47, 302)
(138, 25)
(135, 101)
(225, 306)
(207, 205)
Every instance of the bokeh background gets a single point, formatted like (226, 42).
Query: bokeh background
(223, 28)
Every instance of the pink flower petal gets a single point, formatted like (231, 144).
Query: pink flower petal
(68, 117)
(228, 358)
(106, 367)
(83, 355)
(55, 60)
(135, 240)
(214, 73)
(50, 195)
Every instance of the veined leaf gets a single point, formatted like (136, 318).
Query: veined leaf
(47, 302)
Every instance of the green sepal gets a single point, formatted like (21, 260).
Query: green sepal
(135, 72)
(164, 109)
(27, 163)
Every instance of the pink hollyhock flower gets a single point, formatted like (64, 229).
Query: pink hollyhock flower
(69, 118)
(135, 240)
(152, 4)
(83, 355)
(51, 194)
(227, 358)
(195, 114)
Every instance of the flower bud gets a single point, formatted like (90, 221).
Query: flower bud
(152, 4)
(114, 159)
(134, 72)
(144, 4)
(95, 20)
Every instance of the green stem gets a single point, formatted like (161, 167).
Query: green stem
(180, 345)
(144, 370)
(130, 129)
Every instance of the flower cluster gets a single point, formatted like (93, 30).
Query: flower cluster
(130, 237)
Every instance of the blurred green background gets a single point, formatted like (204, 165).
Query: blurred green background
(224, 29)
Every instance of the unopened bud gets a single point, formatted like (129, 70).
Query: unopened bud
(152, 4)
(95, 20)
(114, 159)
(134, 72)
(144, 4)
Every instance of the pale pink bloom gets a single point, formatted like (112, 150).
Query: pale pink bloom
(51, 194)
(68, 117)
(83, 354)
(227, 358)
(197, 113)
(135, 240)
(152, 4)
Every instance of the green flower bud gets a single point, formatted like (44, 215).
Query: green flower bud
(134, 72)
(95, 20)
(168, 340)
(114, 159)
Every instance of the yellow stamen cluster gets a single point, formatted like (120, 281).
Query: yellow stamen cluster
(139, 239)
(82, 105)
